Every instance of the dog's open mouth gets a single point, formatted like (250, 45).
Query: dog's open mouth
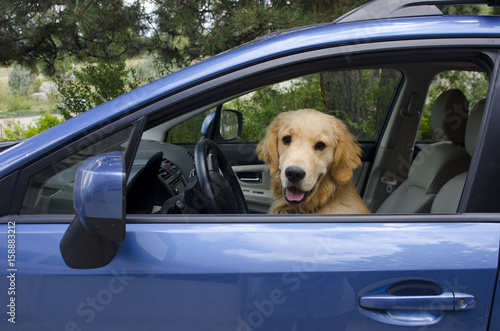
(294, 195)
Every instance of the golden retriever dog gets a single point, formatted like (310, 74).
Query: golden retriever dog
(311, 156)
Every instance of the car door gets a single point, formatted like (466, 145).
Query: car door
(257, 272)
(197, 272)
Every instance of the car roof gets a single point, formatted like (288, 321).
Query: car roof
(262, 49)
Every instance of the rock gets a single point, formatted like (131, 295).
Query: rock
(39, 95)
(48, 87)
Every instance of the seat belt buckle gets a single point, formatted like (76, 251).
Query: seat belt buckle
(390, 184)
(389, 188)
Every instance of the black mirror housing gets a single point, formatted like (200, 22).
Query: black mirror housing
(91, 240)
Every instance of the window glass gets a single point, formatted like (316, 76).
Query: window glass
(473, 84)
(50, 191)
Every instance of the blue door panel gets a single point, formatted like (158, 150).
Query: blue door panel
(253, 276)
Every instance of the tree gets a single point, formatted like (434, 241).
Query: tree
(191, 30)
(94, 84)
(359, 97)
(33, 32)
(180, 31)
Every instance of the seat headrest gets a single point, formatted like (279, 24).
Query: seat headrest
(473, 125)
(449, 115)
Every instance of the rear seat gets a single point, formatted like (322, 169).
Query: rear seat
(436, 163)
(448, 197)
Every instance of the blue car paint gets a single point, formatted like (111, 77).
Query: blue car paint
(252, 276)
(106, 172)
(301, 40)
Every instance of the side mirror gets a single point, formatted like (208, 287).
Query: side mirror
(91, 240)
(207, 122)
(231, 122)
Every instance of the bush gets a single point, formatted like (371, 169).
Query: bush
(14, 130)
(20, 79)
(74, 97)
(13, 103)
(93, 85)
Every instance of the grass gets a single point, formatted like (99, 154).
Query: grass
(14, 106)
(4, 76)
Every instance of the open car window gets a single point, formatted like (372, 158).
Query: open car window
(361, 98)
(368, 101)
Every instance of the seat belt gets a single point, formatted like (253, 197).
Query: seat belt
(399, 164)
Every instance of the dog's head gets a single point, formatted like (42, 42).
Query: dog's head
(305, 146)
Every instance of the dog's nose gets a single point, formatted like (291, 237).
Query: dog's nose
(294, 174)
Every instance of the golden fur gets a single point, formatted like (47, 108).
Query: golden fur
(318, 147)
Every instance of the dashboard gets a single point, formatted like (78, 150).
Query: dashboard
(160, 172)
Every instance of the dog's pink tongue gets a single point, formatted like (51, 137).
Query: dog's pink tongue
(294, 194)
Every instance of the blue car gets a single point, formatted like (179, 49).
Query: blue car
(150, 212)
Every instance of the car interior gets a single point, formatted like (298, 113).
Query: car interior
(415, 127)
(423, 167)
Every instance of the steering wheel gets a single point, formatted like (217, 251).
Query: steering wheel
(217, 180)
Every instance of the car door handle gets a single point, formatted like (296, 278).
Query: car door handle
(250, 177)
(447, 301)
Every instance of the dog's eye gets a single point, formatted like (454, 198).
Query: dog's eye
(287, 140)
(319, 146)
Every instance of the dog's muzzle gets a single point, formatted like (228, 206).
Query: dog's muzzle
(292, 194)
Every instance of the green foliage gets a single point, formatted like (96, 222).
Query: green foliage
(14, 103)
(465, 10)
(74, 96)
(14, 130)
(191, 30)
(138, 76)
(473, 84)
(44, 32)
(108, 80)
(35, 84)
(17, 105)
(260, 107)
(20, 79)
(149, 67)
(93, 85)
(181, 31)
(188, 131)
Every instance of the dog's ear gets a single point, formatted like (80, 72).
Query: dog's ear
(346, 156)
(267, 149)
